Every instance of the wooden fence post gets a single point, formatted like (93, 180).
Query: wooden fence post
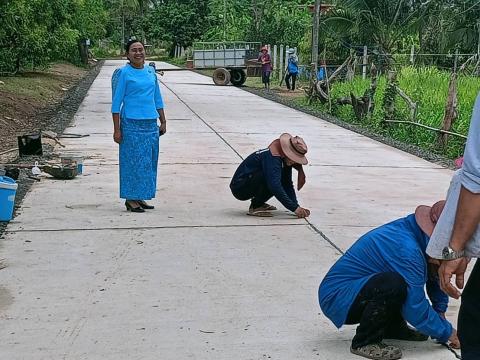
(364, 62)
(390, 94)
(450, 110)
(280, 68)
(275, 68)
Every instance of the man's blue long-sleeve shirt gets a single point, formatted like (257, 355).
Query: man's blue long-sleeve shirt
(277, 175)
(395, 247)
(136, 93)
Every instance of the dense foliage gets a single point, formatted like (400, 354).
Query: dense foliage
(34, 32)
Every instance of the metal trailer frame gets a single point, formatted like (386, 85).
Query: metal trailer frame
(229, 59)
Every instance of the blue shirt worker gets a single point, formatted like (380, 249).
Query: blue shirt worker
(136, 106)
(292, 70)
(379, 283)
(268, 172)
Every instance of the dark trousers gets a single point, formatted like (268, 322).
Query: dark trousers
(293, 79)
(377, 309)
(253, 187)
(266, 78)
(469, 317)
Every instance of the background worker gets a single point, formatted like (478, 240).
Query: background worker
(379, 284)
(266, 62)
(268, 172)
(292, 69)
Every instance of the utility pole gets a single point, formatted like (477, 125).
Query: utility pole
(316, 25)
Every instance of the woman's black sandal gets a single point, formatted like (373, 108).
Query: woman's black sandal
(129, 207)
(144, 205)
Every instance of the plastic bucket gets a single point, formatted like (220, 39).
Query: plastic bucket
(8, 189)
(76, 160)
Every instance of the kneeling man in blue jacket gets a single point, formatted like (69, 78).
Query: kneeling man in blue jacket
(380, 284)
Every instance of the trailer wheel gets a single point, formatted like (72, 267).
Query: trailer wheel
(238, 77)
(221, 77)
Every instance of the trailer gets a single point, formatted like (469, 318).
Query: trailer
(232, 62)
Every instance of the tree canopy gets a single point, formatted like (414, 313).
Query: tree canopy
(34, 32)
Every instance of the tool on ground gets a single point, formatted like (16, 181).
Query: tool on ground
(62, 172)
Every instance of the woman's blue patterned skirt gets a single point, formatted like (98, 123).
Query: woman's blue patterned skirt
(138, 159)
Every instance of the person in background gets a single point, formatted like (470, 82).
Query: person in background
(136, 105)
(321, 71)
(379, 283)
(292, 70)
(456, 239)
(266, 61)
(268, 172)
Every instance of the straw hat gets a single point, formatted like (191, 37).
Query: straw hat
(264, 48)
(427, 216)
(294, 148)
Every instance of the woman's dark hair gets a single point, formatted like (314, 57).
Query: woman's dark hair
(130, 43)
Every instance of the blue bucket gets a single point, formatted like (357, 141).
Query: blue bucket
(8, 189)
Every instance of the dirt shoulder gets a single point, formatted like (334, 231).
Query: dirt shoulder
(27, 101)
(43, 100)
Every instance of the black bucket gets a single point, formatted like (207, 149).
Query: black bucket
(30, 144)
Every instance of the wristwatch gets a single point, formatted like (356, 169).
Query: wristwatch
(449, 254)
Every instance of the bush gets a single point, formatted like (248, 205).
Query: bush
(428, 87)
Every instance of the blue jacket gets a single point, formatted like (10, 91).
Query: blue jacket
(395, 247)
(293, 65)
(277, 175)
(136, 93)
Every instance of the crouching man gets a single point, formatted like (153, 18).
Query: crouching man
(379, 284)
(268, 172)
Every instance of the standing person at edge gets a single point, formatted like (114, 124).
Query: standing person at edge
(457, 238)
(268, 172)
(266, 61)
(292, 70)
(136, 105)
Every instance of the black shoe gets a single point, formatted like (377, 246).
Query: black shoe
(144, 205)
(133, 209)
(404, 332)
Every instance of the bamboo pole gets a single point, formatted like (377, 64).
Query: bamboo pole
(426, 127)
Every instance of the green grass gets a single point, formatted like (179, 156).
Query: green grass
(428, 87)
(41, 86)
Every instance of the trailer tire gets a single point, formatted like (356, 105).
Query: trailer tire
(238, 77)
(221, 76)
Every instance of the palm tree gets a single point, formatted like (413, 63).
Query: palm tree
(378, 23)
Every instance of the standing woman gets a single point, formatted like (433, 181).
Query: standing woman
(136, 105)
(266, 61)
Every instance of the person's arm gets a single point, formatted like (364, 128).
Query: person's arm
(417, 309)
(118, 93)
(467, 216)
(437, 297)
(163, 121)
(288, 183)
(159, 105)
(272, 169)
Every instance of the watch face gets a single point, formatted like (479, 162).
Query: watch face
(446, 252)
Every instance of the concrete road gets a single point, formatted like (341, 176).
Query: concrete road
(196, 278)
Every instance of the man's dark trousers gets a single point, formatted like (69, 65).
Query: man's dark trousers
(469, 317)
(293, 78)
(377, 309)
(252, 187)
